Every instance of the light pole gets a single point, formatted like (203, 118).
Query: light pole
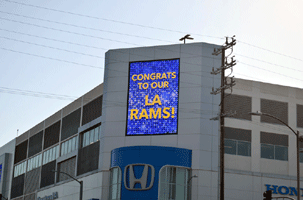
(188, 185)
(298, 138)
(80, 182)
(194, 176)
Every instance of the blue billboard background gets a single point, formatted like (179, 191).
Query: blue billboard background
(153, 94)
(156, 156)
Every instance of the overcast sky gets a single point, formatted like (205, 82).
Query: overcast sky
(52, 52)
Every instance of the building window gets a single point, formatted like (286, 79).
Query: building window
(21, 152)
(68, 167)
(240, 105)
(92, 110)
(275, 152)
(50, 154)
(20, 169)
(91, 136)
(51, 135)
(275, 108)
(115, 183)
(35, 144)
(70, 124)
(237, 141)
(34, 162)
(173, 183)
(300, 116)
(274, 146)
(69, 145)
(237, 147)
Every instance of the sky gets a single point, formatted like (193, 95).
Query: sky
(52, 52)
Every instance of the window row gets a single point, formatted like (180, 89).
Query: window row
(269, 151)
(20, 169)
(91, 136)
(242, 105)
(237, 147)
(51, 154)
(69, 145)
(275, 152)
(34, 162)
(88, 137)
(43, 176)
(273, 146)
(66, 127)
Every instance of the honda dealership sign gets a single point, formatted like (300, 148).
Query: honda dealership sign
(140, 168)
(153, 94)
(130, 179)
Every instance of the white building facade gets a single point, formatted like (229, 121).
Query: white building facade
(146, 133)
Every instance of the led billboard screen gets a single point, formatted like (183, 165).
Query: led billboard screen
(153, 94)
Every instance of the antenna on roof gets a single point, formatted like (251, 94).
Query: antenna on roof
(186, 37)
(17, 132)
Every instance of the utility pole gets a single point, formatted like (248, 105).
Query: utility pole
(224, 85)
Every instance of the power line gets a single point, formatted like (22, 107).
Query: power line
(42, 94)
(127, 62)
(91, 47)
(120, 51)
(116, 41)
(6, 88)
(275, 92)
(105, 19)
(84, 27)
(269, 63)
(281, 54)
(259, 80)
(75, 33)
(140, 25)
(271, 71)
(191, 73)
(51, 39)
(60, 60)
(103, 57)
(121, 61)
(55, 59)
(75, 63)
(144, 26)
(91, 36)
(45, 46)
(36, 94)
(121, 41)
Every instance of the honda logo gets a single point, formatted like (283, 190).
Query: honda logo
(130, 179)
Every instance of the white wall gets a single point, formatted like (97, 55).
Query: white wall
(266, 171)
(7, 178)
(92, 188)
(196, 106)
